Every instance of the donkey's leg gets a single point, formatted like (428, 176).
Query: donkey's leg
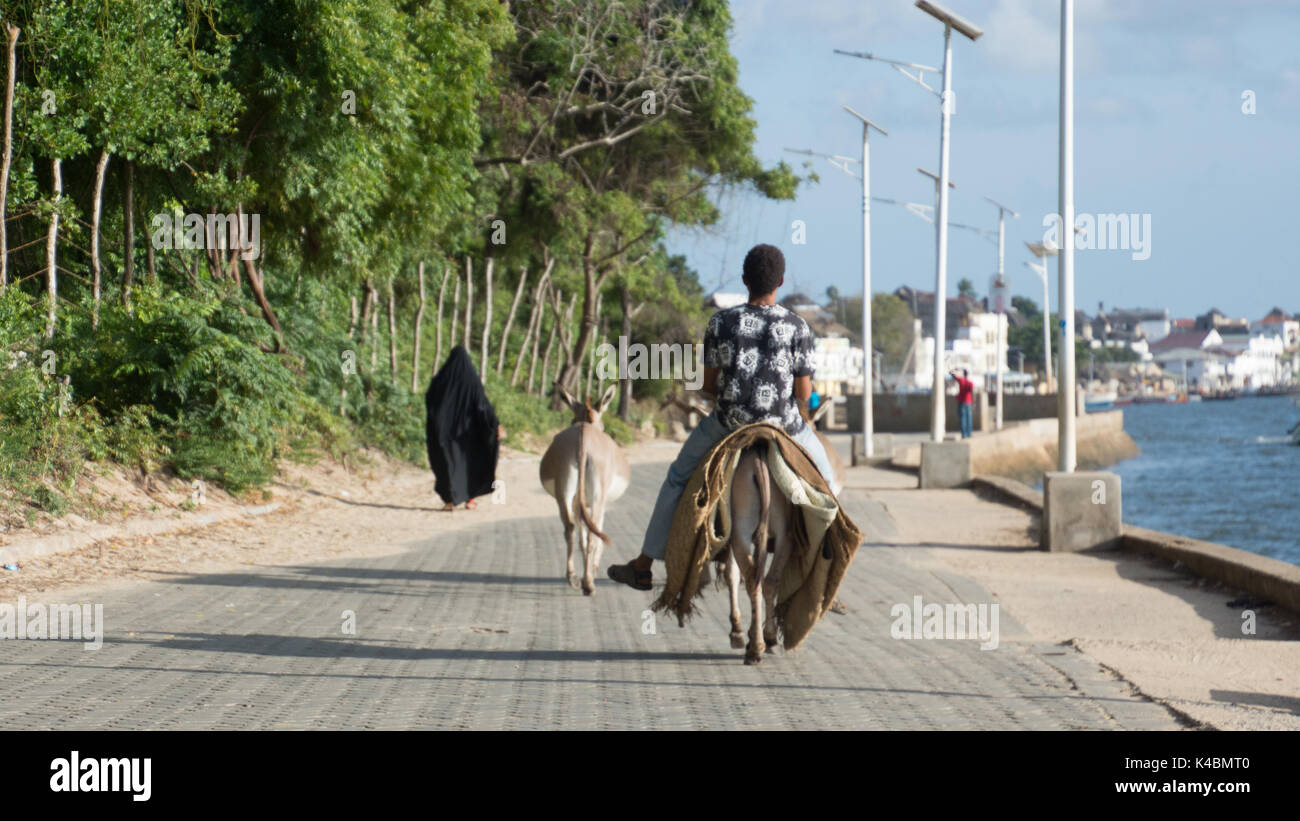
(567, 520)
(733, 583)
(584, 541)
(754, 586)
(595, 548)
(780, 520)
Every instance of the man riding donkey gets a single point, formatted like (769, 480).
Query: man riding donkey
(757, 368)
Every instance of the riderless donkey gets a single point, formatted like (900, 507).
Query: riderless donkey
(584, 470)
(761, 520)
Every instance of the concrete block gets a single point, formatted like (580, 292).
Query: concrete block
(884, 445)
(884, 448)
(945, 464)
(1081, 511)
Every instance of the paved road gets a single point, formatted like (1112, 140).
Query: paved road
(477, 630)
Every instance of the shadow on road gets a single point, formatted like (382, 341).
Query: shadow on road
(263, 644)
(355, 503)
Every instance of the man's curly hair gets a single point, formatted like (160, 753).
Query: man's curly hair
(764, 269)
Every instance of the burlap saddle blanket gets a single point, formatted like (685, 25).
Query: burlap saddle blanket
(824, 537)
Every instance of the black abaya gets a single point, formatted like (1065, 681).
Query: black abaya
(461, 431)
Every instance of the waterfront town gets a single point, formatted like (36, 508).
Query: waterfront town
(1125, 355)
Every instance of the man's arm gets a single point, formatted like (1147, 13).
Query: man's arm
(711, 378)
(802, 392)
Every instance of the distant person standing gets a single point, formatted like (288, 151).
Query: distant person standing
(965, 399)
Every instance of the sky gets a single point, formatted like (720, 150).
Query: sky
(1160, 129)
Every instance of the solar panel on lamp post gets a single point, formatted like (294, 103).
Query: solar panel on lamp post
(950, 21)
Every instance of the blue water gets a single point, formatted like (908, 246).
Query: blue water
(1220, 471)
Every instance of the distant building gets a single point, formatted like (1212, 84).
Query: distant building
(1216, 320)
(1280, 324)
(720, 301)
(1212, 361)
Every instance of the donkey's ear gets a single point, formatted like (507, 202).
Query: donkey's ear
(568, 400)
(606, 398)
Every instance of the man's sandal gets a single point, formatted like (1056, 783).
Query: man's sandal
(630, 576)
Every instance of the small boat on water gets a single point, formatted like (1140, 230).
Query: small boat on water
(1100, 400)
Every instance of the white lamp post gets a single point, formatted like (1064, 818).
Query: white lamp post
(868, 345)
(1041, 251)
(950, 21)
(1001, 314)
(1065, 394)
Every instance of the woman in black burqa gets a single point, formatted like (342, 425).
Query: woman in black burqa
(462, 432)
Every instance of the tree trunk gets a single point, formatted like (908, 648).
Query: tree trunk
(374, 330)
(8, 151)
(563, 367)
(96, 273)
(534, 322)
(572, 369)
(487, 320)
(510, 319)
(352, 329)
(256, 280)
(550, 345)
(437, 351)
(455, 314)
(591, 358)
(537, 337)
(469, 301)
(51, 252)
(128, 232)
(392, 335)
(415, 339)
(624, 383)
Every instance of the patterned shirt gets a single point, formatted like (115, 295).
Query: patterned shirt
(759, 350)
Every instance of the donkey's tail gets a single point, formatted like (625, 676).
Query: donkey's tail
(581, 498)
(763, 477)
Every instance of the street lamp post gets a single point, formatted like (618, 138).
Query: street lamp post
(1041, 251)
(1001, 314)
(950, 21)
(1065, 394)
(868, 345)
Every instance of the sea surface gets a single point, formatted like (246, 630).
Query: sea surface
(1220, 471)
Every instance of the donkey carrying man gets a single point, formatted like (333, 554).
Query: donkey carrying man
(757, 368)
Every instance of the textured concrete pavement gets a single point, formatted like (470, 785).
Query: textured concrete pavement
(478, 630)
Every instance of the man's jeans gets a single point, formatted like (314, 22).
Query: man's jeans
(709, 433)
(963, 413)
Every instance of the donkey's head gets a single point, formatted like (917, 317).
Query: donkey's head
(584, 411)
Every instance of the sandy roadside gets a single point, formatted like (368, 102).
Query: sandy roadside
(1171, 635)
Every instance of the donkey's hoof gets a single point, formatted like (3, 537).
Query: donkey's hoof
(588, 587)
(737, 640)
(573, 580)
(749, 659)
(771, 646)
